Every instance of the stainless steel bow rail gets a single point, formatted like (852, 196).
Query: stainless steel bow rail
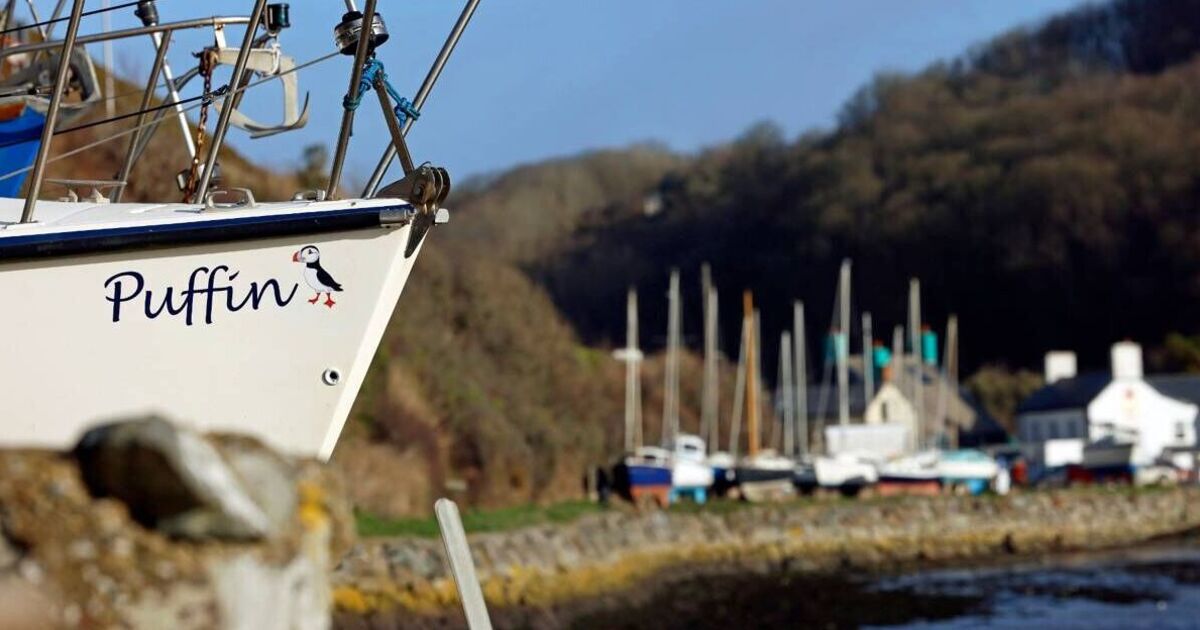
(359, 34)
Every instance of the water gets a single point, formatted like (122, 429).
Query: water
(1149, 587)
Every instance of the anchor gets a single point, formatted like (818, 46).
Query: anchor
(269, 62)
(265, 62)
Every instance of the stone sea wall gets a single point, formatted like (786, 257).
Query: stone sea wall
(399, 582)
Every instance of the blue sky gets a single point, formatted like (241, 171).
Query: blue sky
(539, 78)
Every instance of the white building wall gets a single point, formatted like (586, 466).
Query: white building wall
(1131, 410)
(891, 407)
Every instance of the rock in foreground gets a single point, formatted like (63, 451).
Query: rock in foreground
(148, 525)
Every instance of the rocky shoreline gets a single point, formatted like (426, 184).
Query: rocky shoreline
(548, 575)
(145, 524)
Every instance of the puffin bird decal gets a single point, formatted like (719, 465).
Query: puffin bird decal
(315, 275)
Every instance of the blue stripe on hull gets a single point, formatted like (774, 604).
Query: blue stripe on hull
(649, 476)
(81, 242)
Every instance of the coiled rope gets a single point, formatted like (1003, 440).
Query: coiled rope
(373, 70)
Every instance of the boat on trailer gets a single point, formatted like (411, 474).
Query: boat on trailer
(916, 474)
(216, 310)
(967, 471)
(645, 477)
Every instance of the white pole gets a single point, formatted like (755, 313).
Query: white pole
(462, 566)
(801, 359)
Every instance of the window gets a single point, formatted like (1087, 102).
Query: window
(1180, 431)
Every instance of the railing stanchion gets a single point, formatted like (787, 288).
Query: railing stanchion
(64, 65)
(239, 70)
(159, 60)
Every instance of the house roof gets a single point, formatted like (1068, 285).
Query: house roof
(1184, 387)
(1077, 392)
(1068, 393)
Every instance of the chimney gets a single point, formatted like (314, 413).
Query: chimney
(1126, 361)
(1059, 365)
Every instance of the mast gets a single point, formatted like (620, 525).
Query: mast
(751, 375)
(709, 401)
(632, 356)
(841, 343)
(914, 335)
(671, 395)
(786, 384)
(898, 370)
(739, 394)
(950, 362)
(758, 367)
(868, 370)
(56, 95)
(801, 359)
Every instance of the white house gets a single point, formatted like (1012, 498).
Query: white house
(1122, 407)
(891, 405)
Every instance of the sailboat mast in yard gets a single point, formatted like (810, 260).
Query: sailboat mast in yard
(841, 343)
(801, 387)
(918, 378)
(671, 394)
(739, 395)
(897, 370)
(868, 371)
(632, 356)
(951, 376)
(751, 375)
(710, 401)
(786, 384)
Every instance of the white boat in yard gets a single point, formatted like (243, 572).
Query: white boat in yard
(218, 311)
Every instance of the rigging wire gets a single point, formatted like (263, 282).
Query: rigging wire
(207, 96)
(149, 123)
(65, 18)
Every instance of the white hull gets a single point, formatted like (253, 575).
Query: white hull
(913, 468)
(685, 474)
(78, 349)
(833, 472)
(689, 468)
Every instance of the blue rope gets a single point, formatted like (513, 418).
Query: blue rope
(371, 69)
